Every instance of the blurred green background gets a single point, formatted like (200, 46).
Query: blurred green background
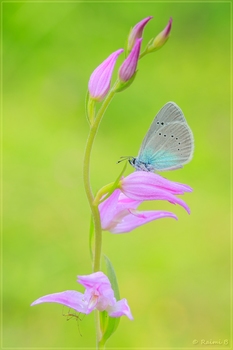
(175, 275)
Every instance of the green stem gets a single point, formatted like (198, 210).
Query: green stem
(91, 110)
(87, 185)
(145, 52)
(98, 331)
(107, 189)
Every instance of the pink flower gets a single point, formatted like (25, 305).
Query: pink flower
(119, 212)
(119, 215)
(100, 79)
(98, 295)
(136, 32)
(129, 66)
(144, 186)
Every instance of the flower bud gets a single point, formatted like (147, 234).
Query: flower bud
(129, 66)
(136, 32)
(161, 38)
(100, 79)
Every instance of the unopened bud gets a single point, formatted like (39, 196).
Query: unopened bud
(100, 80)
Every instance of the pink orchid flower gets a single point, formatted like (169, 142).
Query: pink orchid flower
(98, 295)
(119, 212)
(100, 79)
(119, 215)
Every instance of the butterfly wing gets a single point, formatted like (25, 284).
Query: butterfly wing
(169, 143)
(169, 113)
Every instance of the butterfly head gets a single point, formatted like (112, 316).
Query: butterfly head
(131, 160)
(137, 164)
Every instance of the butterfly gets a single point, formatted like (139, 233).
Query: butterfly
(168, 144)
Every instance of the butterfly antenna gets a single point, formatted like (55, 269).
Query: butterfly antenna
(124, 158)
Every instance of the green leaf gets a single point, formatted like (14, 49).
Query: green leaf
(103, 321)
(112, 277)
(109, 324)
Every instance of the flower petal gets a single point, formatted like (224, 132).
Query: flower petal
(108, 209)
(141, 181)
(115, 208)
(121, 308)
(157, 194)
(94, 280)
(69, 298)
(136, 219)
(146, 186)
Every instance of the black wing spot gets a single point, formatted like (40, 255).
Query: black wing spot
(176, 138)
(164, 135)
(172, 135)
(179, 143)
(162, 123)
(160, 133)
(157, 123)
(178, 149)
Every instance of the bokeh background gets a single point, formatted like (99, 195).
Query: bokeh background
(175, 274)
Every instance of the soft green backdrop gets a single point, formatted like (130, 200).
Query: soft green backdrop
(175, 275)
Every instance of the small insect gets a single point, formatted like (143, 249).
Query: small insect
(71, 315)
(168, 144)
(74, 315)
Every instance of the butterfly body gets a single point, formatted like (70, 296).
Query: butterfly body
(168, 144)
(139, 165)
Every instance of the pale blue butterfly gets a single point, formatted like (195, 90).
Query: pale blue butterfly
(168, 144)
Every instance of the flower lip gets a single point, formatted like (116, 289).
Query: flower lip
(100, 79)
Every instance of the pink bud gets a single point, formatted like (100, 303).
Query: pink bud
(129, 66)
(136, 32)
(100, 79)
(162, 37)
